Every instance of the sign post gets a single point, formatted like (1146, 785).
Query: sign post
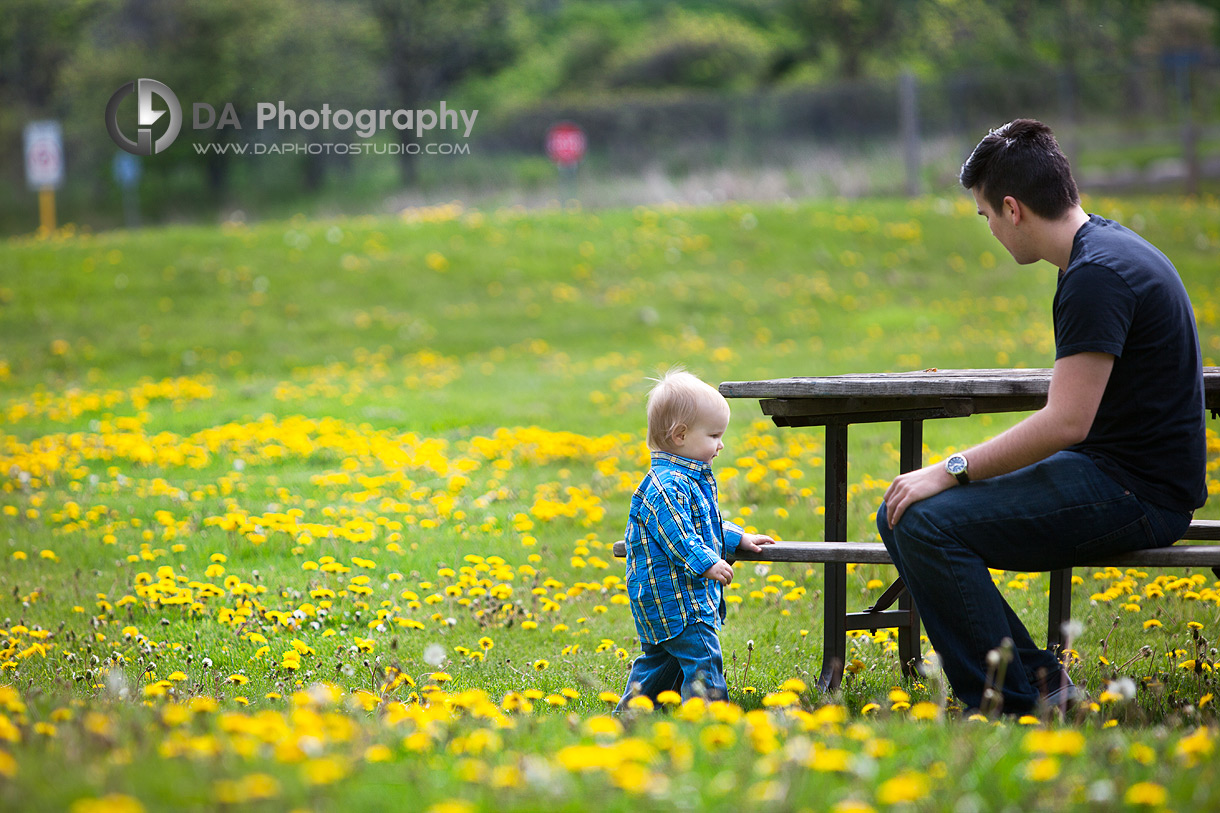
(127, 171)
(565, 145)
(44, 168)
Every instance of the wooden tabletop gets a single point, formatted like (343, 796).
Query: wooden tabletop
(939, 383)
(866, 397)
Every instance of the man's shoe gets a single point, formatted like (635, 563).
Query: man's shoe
(1066, 695)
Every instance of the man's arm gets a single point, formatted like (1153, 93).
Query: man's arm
(1077, 385)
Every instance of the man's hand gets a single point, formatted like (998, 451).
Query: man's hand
(752, 542)
(908, 489)
(1077, 385)
(721, 572)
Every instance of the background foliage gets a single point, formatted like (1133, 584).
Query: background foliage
(671, 88)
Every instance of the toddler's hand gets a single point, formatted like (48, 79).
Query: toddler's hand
(751, 542)
(722, 572)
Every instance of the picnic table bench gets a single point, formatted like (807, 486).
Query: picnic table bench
(836, 402)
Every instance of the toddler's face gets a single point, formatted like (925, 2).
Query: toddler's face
(705, 437)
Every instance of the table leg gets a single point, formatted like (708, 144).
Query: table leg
(834, 608)
(1059, 608)
(910, 457)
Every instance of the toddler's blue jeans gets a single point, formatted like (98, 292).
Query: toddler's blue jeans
(1060, 512)
(690, 663)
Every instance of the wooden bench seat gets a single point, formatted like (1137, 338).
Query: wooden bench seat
(878, 616)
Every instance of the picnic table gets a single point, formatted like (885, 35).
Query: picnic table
(837, 402)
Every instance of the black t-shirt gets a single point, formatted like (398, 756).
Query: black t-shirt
(1120, 295)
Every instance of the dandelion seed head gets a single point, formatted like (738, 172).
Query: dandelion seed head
(116, 684)
(1072, 629)
(1124, 688)
(1101, 791)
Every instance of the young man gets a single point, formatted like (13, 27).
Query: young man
(1114, 462)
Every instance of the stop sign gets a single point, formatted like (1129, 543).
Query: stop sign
(565, 144)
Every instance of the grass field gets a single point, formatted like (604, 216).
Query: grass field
(317, 515)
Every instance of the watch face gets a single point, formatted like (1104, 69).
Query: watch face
(955, 465)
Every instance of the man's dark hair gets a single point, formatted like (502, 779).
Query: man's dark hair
(1022, 159)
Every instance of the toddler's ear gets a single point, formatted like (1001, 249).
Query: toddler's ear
(677, 435)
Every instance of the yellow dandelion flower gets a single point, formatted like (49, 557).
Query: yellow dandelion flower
(603, 726)
(323, 771)
(829, 760)
(852, 806)
(717, 736)
(1195, 745)
(1042, 769)
(1141, 753)
(378, 753)
(452, 806)
(692, 710)
(111, 803)
(1067, 742)
(781, 699)
(640, 703)
(1149, 794)
(909, 786)
(8, 765)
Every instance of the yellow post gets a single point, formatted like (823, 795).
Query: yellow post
(46, 211)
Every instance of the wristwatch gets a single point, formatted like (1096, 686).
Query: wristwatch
(956, 465)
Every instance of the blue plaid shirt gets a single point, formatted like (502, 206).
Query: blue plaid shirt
(674, 534)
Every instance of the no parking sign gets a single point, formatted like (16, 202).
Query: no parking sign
(565, 144)
(44, 155)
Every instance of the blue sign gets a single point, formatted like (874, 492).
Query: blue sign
(127, 169)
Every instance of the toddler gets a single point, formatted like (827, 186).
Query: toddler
(677, 545)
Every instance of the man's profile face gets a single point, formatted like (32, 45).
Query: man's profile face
(1004, 230)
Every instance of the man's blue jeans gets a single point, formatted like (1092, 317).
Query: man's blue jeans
(690, 658)
(1060, 512)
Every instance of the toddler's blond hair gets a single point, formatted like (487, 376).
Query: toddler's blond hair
(676, 401)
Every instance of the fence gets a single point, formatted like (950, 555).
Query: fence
(1152, 111)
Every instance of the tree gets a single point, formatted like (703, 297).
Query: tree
(432, 45)
(37, 37)
(851, 28)
(238, 52)
(1180, 27)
